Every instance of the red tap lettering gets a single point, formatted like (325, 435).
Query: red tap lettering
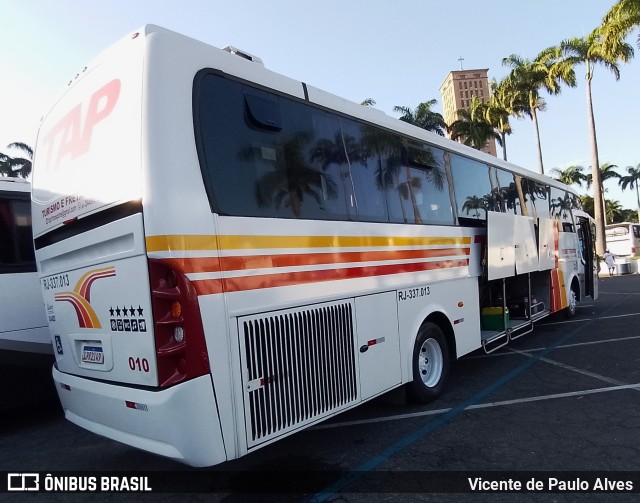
(70, 137)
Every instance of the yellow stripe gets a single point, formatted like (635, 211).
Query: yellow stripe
(563, 289)
(179, 242)
(240, 242)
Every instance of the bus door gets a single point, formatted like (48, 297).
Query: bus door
(588, 257)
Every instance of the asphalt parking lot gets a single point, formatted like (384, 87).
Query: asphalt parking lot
(561, 403)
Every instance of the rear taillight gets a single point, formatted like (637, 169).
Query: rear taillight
(633, 250)
(181, 350)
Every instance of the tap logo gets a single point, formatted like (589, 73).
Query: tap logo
(80, 298)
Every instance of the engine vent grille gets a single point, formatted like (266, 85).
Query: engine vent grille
(300, 366)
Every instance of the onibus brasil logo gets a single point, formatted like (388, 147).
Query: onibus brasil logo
(80, 298)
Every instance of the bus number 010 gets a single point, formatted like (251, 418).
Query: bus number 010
(138, 364)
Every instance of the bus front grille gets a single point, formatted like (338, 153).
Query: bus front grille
(299, 366)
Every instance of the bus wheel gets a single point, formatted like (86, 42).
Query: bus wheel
(570, 310)
(430, 364)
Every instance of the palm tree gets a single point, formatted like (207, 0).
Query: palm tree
(607, 172)
(473, 127)
(423, 117)
(623, 17)
(369, 102)
(523, 84)
(586, 201)
(17, 166)
(497, 113)
(5, 165)
(474, 203)
(632, 180)
(613, 210)
(293, 180)
(572, 175)
(591, 51)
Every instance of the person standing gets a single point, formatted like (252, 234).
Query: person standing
(610, 260)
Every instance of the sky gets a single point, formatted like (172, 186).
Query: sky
(395, 52)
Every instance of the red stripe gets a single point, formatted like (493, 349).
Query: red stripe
(85, 289)
(299, 278)
(242, 263)
(84, 319)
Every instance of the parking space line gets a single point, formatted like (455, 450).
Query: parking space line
(618, 316)
(564, 346)
(503, 403)
(437, 422)
(571, 368)
(617, 293)
(582, 320)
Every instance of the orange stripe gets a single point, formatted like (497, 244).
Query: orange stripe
(298, 278)
(227, 264)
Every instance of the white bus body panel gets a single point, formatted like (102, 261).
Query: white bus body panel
(524, 235)
(152, 421)
(97, 296)
(623, 239)
(88, 149)
(23, 323)
(546, 243)
(501, 253)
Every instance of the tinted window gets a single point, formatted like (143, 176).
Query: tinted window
(16, 240)
(523, 196)
(473, 190)
(540, 197)
(268, 156)
(511, 196)
(364, 155)
(561, 204)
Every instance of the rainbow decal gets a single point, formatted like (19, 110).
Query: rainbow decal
(80, 298)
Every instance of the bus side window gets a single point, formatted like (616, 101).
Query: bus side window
(368, 197)
(24, 236)
(16, 240)
(472, 189)
(6, 237)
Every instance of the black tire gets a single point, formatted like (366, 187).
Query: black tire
(570, 310)
(430, 376)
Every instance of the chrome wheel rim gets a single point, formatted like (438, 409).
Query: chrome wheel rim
(573, 301)
(430, 362)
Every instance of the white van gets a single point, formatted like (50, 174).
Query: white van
(23, 323)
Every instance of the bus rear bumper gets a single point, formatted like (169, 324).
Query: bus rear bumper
(180, 422)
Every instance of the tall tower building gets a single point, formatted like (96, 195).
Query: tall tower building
(458, 89)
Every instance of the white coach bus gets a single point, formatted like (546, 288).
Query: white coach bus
(230, 256)
(623, 239)
(23, 325)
